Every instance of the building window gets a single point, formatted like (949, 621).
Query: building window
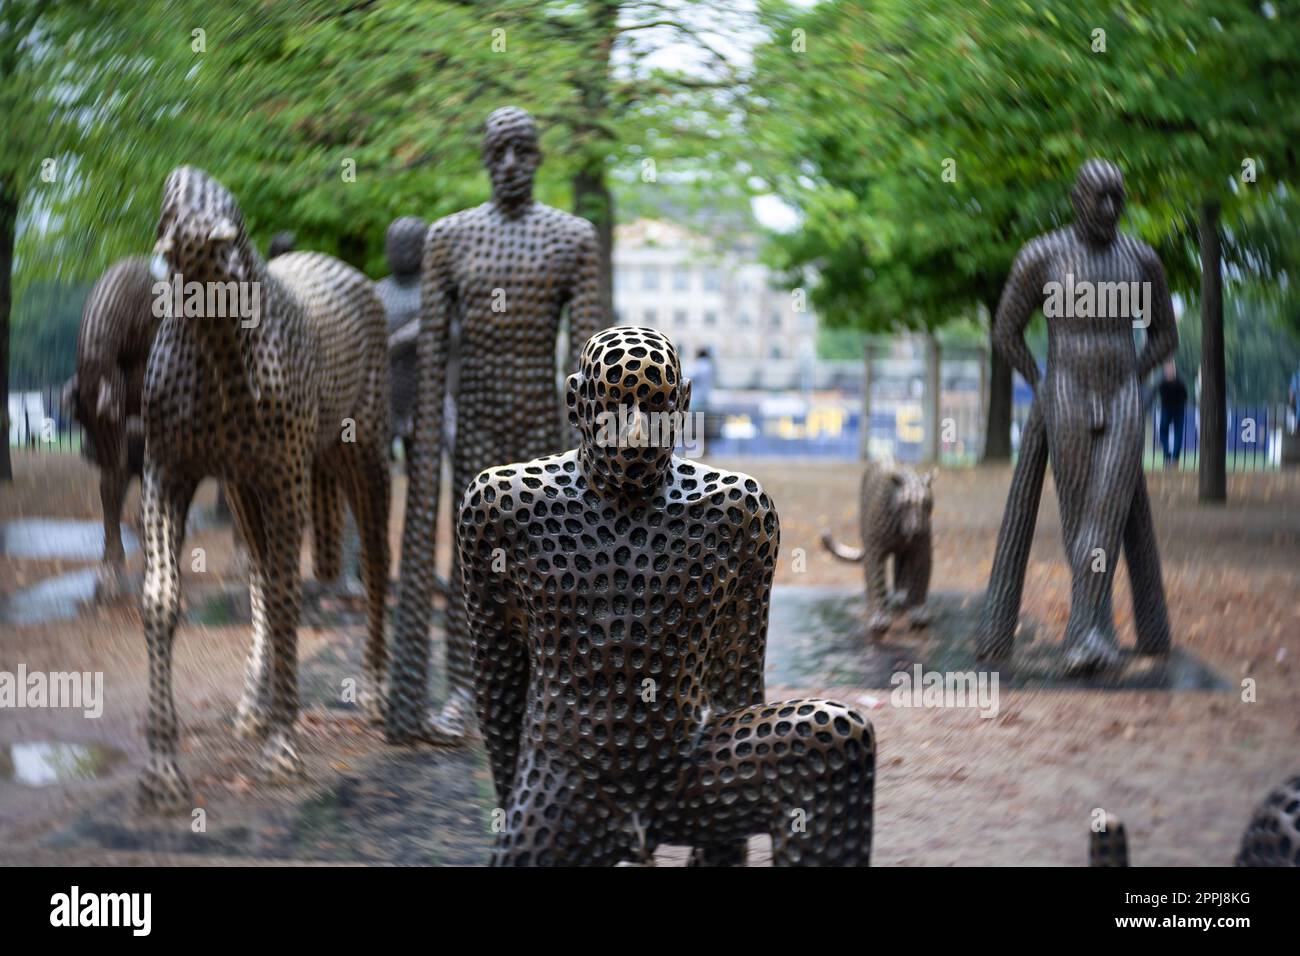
(679, 318)
(710, 318)
(712, 280)
(650, 278)
(681, 279)
(650, 317)
(776, 352)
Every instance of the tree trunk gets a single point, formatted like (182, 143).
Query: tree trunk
(8, 227)
(593, 200)
(1213, 400)
(930, 412)
(997, 428)
(864, 433)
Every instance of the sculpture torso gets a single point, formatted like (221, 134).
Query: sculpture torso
(639, 620)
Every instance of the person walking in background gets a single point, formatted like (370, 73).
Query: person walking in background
(701, 376)
(1172, 394)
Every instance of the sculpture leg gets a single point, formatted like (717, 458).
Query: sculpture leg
(1001, 612)
(912, 578)
(326, 524)
(873, 570)
(282, 592)
(165, 502)
(802, 771)
(368, 494)
(1150, 613)
(1096, 462)
(253, 716)
(112, 490)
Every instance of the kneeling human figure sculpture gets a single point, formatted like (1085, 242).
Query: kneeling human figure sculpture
(289, 407)
(618, 600)
(894, 505)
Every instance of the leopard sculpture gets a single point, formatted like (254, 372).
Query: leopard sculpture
(287, 403)
(117, 331)
(894, 514)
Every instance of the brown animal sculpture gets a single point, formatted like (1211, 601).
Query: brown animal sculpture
(506, 272)
(618, 606)
(894, 505)
(287, 402)
(117, 331)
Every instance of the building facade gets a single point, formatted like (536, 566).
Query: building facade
(721, 298)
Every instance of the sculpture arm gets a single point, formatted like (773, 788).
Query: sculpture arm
(496, 632)
(420, 525)
(1021, 297)
(735, 670)
(586, 306)
(1162, 329)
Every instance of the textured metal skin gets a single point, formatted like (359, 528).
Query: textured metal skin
(894, 506)
(1087, 420)
(1109, 848)
(400, 294)
(506, 270)
(1272, 837)
(292, 415)
(117, 331)
(618, 604)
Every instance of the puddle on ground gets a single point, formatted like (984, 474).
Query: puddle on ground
(59, 539)
(817, 638)
(55, 599)
(45, 763)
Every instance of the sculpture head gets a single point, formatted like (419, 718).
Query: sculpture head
(628, 401)
(913, 499)
(281, 243)
(1098, 200)
(511, 154)
(404, 245)
(201, 232)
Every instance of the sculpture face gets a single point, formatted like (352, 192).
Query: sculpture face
(201, 230)
(1098, 199)
(404, 245)
(511, 155)
(628, 401)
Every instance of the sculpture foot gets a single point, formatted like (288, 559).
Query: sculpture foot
(878, 623)
(251, 722)
(451, 728)
(280, 762)
(1094, 651)
(371, 699)
(918, 618)
(162, 789)
(113, 584)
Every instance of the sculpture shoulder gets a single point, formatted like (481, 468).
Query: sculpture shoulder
(696, 481)
(1134, 248)
(583, 230)
(1040, 250)
(495, 493)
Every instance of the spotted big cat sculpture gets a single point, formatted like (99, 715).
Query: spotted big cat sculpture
(117, 331)
(286, 402)
(894, 505)
(617, 603)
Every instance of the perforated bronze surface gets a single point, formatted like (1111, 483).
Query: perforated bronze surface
(1272, 837)
(894, 507)
(117, 330)
(505, 271)
(1087, 419)
(618, 604)
(290, 410)
(400, 294)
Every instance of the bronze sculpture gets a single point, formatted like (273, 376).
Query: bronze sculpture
(894, 505)
(506, 270)
(1272, 837)
(400, 294)
(117, 331)
(1087, 418)
(287, 403)
(618, 605)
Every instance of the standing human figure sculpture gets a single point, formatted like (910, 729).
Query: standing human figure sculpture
(506, 270)
(618, 605)
(400, 293)
(1092, 282)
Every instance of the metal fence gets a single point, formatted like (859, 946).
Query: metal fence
(39, 422)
